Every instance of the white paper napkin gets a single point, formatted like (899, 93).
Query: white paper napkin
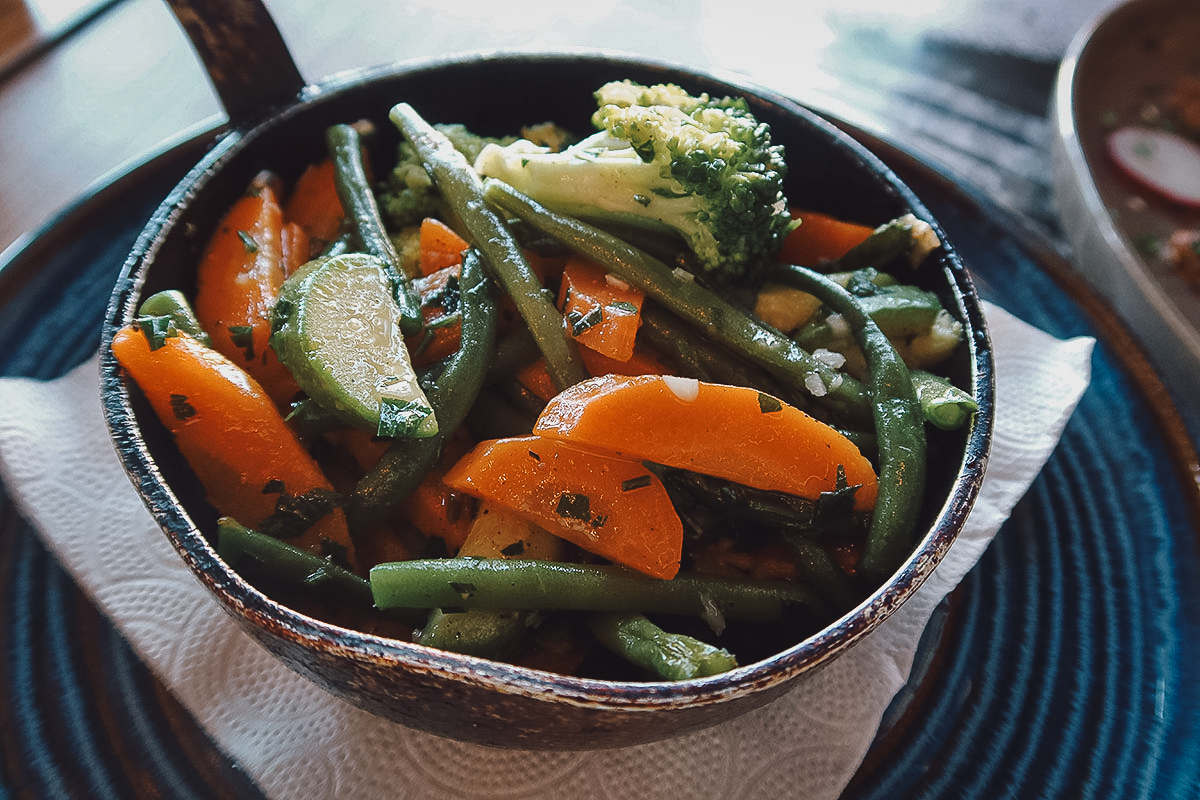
(296, 741)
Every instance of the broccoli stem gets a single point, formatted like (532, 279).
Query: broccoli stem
(716, 318)
(460, 185)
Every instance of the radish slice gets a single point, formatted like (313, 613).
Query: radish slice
(1161, 161)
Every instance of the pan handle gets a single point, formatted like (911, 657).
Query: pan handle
(243, 53)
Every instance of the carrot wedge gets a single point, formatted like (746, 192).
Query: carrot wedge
(231, 434)
(731, 432)
(820, 237)
(607, 505)
(602, 311)
(237, 283)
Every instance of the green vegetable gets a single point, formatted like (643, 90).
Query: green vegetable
(367, 232)
(407, 194)
(337, 328)
(525, 585)
(405, 462)
(904, 236)
(943, 403)
(172, 307)
(899, 429)
(702, 167)
(673, 656)
(460, 187)
(244, 550)
(488, 634)
(718, 319)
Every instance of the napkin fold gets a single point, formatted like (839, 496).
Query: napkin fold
(295, 740)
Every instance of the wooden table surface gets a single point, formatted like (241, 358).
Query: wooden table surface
(967, 89)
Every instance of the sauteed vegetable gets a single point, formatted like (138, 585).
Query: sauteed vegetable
(452, 404)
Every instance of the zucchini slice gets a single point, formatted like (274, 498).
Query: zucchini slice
(337, 328)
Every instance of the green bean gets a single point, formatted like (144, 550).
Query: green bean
(703, 359)
(242, 548)
(672, 656)
(899, 429)
(487, 634)
(173, 306)
(899, 311)
(460, 186)
(367, 230)
(887, 242)
(823, 573)
(717, 319)
(494, 417)
(527, 585)
(405, 462)
(943, 403)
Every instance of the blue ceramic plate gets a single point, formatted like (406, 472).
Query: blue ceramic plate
(1067, 664)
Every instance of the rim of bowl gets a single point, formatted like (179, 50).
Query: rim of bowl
(241, 599)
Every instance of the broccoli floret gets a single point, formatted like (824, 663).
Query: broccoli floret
(406, 195)
(661, 158)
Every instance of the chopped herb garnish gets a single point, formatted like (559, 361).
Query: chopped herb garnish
(640, 482)
(581, 322)
(273, 486)
(574, 506)
(623, 307)
(296, 513)
(248, 242)
(400, 418)
(280, 313)
(335, 552)
(768, 404)
(464, 589)
(181, 408)
(157, 330)
(243, 336)
(513, 550)
(534, 456)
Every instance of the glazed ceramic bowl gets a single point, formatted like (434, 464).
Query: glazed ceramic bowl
(460, 696)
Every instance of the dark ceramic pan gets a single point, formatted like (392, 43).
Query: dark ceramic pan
(277, 121)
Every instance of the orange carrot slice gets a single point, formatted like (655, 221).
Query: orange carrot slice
(607, 505)
(294, 247)
(237, 282)
(602, 312)
(314, 205)
(820, 237)
(644, 361)
(230, 433)
(730, 432)
(439, 245)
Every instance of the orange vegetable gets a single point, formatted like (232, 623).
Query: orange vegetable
(237, 282)
(730, 432)
(444, 329)
(820, 237)
(440, 246)
(437, 510)
(644, 361)
(605, 504)
(229, 431)
(315, 207)
(293, 247)
(602, 312)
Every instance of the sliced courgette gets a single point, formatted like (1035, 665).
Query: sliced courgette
(337, 328)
